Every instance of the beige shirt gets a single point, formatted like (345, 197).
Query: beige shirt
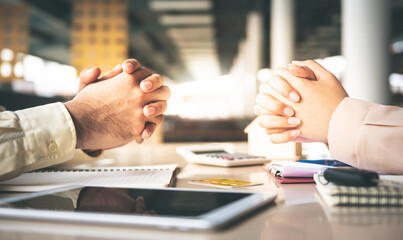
(368, 136)
(34, 138)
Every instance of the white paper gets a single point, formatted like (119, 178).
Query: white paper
(143, 176)
(298, 169)
(393, 178)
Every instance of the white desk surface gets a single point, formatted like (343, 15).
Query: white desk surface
(296, 214)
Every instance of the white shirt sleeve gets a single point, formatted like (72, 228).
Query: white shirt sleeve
(34, 138)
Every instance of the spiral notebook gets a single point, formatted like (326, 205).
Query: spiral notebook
(359, 215)
(387, 193)
(144, 176)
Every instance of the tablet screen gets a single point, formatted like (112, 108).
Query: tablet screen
(131, 201)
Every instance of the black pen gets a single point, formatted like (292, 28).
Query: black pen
(351, 177)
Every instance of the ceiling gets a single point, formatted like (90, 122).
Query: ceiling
(177, 37)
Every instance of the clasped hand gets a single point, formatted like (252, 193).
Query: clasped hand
(128, 106)
(297, 103)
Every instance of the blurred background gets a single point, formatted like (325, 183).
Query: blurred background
(213, 54)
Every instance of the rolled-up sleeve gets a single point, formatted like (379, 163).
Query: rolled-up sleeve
(34, 138)
(368, 136)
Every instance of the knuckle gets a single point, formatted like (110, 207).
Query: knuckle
(135, 62)
(130, 76)
(131, 65)
(279, 122)
(275, 77)
(270, 131)
(274, 140)
(279, 138)
(140, 70)
(277, 82)
(132, 61)
(259, 98)
(163, 106)
(260, 120)
(283, 88)
(279, 85)
(136, 133)
(139, 94)
(264, 88)
(281, 70)
(158, 78)
(161, 78)
(107, 74)
(153, 79)
(278, 107)
(264, 121)
(277, 69)
(146, 71)
(272, 79)
(270, 103)
(167, 92)
(160, 119)
(156, 81)
(83, 71)
(140, 74)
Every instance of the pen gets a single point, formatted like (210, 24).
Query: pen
(326, 162)
(351, 177)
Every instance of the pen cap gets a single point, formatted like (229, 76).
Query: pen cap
(351, 177)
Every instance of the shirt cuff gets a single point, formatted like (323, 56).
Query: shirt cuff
(50, 136)
(345, 127)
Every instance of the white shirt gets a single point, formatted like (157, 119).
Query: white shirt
(34, 138)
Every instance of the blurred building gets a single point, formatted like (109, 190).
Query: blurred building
(99, 33)
(209, 51)
(14, 40)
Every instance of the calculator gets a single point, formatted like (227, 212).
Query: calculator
(218, 155)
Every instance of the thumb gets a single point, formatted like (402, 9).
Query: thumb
(88, 76)
(301, 71)
(140, 206)
(318, 70)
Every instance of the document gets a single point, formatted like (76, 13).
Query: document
(132, 176)
(296, 169)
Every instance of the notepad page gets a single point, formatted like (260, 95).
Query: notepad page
(147, 176)
(297, 169)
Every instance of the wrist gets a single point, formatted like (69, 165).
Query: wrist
(75, 115)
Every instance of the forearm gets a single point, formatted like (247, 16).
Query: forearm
(35, 138)
(368, 136)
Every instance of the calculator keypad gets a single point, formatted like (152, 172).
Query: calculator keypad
(232, 156)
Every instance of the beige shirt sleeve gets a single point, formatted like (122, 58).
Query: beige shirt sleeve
(34, 138)
(368, 136)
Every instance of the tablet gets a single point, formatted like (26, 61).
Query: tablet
(167, 208)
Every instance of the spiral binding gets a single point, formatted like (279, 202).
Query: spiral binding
(50, 170)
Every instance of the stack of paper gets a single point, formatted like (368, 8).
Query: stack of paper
(140, 176)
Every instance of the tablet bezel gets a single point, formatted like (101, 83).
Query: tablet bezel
(215, 219)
